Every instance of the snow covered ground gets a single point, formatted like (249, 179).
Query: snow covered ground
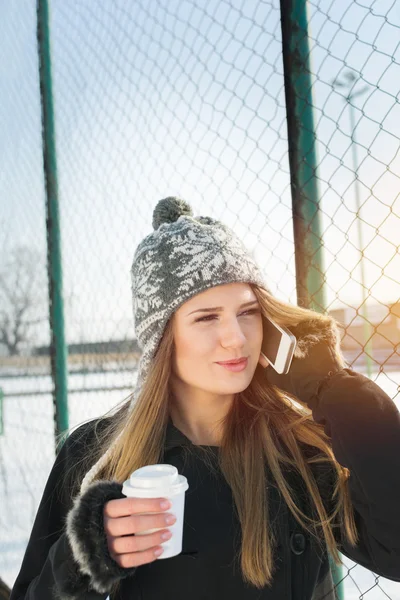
(27, 455)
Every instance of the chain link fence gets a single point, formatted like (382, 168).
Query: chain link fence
(185, 98)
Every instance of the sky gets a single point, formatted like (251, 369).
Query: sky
(185, 98)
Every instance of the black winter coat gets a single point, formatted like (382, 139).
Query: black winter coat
(364, 425)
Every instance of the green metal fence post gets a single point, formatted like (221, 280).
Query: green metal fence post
(310, 277)
(337, 576)
(302, 157)
(56, 307)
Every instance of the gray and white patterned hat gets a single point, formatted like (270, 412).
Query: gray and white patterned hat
(183, 256)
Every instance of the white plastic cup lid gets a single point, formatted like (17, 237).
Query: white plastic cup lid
(154, 476)
(155, 480)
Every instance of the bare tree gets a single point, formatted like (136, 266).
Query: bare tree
(23, 295)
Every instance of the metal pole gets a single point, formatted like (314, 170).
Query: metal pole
(310, 277)
(54, 264)
(337, 576)
(366, 324)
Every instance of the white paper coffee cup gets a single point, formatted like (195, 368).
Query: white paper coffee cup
(161, 481)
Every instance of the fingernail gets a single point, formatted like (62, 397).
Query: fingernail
(170, 519)
(166, 535)
(158, 551)
(164, 504)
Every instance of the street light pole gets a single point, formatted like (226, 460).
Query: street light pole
(351, 79)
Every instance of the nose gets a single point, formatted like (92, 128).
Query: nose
(231, 334)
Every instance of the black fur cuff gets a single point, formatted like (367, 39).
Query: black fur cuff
(87, 538)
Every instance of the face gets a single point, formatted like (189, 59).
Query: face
(221, 324)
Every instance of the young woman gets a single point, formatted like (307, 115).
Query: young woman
(283, 470)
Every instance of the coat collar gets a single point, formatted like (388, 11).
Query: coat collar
(174, 437)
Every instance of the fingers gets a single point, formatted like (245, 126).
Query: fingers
(125, 517)
(123, 507)
(136, 559)
(136, 523)
(138, 543)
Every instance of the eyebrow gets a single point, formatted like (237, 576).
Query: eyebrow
(219, 308)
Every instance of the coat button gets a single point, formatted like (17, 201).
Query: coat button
(297, 543)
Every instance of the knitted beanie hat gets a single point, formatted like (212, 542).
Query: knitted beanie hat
(183, 256)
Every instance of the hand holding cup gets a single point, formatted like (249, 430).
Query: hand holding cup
(124, 521)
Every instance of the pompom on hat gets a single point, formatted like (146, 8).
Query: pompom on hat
(183, 256)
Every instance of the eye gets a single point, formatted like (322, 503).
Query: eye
(207, 318)
(252, 311)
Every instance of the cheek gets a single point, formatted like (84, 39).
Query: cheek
(253, 332)
(194, 346)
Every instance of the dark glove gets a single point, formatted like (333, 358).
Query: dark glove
(309, 372)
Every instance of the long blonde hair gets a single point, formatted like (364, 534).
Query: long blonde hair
(262, 422)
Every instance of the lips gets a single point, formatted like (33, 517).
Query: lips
(235, 366)
(235, 361)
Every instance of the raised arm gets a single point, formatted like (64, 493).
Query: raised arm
(363, 423)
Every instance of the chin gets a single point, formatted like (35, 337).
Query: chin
(234, 387)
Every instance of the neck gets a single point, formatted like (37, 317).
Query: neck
(199, 414)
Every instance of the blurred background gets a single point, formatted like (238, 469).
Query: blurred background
(280, 118)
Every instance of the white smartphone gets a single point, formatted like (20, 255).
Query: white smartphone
(278, 345)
